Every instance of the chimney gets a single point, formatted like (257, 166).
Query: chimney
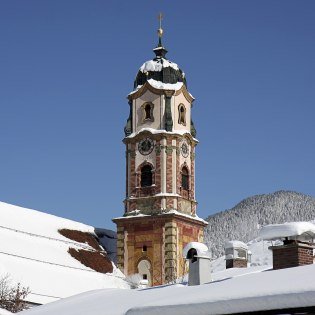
(199, 263)
(297, 247)
(236, 254)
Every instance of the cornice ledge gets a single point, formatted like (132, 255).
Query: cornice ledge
(147, 86)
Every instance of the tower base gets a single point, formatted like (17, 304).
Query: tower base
(152, 245)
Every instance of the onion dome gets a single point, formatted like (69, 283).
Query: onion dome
(160, 69)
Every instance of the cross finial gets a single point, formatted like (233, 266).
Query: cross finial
(160, 18)
(160, 51)
(160, 30)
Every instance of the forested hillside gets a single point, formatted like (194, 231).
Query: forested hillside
(243, 221)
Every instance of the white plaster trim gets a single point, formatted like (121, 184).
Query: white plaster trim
(161, 131)
(128, 171)
(134, 103)
(137, 214)
(174, 177)
(163, 167)
(167, 195)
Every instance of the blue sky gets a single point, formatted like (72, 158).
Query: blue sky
(67, 66)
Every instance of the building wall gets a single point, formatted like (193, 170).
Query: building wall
(167, 162)
(154, 242)
(292, 255)
(158, 111)
(164, 238)
(176, 101)
(158, 102)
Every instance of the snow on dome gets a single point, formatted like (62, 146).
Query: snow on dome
(165, 86)
(157, 65)
(277, 231)
(159, 69)
(235, 244)
(202, 249)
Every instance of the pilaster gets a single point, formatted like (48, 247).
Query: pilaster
(170, 251)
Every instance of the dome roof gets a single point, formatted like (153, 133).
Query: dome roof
(160, 69)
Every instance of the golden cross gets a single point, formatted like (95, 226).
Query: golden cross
(160, 18)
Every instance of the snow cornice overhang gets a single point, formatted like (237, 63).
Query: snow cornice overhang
(158, 134)
(163, 216)
(168, 92)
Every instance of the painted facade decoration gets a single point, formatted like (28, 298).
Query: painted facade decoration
(160, 206)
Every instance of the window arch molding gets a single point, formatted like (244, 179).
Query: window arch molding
(185, 177)
(144, 267)
(147, 112)
(146, 175)
(182, 114)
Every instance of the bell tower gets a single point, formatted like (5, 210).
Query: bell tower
(160, 206)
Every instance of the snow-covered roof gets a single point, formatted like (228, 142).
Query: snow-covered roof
(252, 292)
(186, 215)
(160, 131)
(235, 244)
(157, 65)
(34, 253)
(161, 86)
(158, 87)
(137, 213)
(165, 86)
(291, 229)
(201, 249)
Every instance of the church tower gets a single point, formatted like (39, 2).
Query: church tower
(160, 206)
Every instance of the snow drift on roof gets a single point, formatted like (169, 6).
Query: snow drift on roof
(162, 131)
(235, 244)
(34, 253)
(137, 213)
(157, 65)
(277, 289)
(277, 231)
(202, 249)
(165, 86)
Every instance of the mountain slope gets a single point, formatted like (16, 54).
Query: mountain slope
(242, 222)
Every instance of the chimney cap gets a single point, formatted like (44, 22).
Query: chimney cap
(285, 230)
(201, 249)
(235, 244)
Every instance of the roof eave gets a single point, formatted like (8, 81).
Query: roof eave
(147, 86)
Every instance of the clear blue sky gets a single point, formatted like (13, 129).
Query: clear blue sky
(67, 66)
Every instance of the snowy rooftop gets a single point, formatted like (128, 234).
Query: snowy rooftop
(235, 244)
(137, 213)
(161, 86)
(162, 131)
(165, 86)
(233, 292)
(157, 65)
(291, 229)
(34, 253)
(201, 249)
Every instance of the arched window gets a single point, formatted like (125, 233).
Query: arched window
(146, 176)
(185, 178)
(144, 269)
(182, 115)
(147, 110)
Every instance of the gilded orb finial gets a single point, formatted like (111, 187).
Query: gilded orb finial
(160, 30)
